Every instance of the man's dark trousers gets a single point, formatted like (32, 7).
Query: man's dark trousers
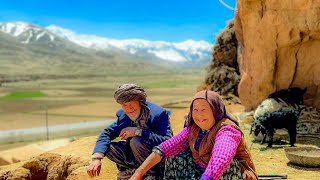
(130, 154)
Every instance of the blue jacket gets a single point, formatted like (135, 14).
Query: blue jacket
(159, 129)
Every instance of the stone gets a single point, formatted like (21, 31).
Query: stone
(278, 48)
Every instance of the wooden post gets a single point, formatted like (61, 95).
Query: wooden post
(272, 176)
(47, 127)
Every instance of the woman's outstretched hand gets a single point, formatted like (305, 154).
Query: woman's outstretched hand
(151, 160)
(137, 175)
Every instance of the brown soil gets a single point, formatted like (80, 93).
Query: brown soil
(18, 154)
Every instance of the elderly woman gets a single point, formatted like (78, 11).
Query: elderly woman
(141, 124)
(216, 142)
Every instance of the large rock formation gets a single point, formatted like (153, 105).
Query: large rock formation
(279, 45)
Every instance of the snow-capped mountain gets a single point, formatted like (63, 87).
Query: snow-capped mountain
(27, 32)
(22, 53)
(187, 51)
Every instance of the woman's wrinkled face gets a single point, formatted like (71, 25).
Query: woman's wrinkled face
(202, 114)
(132, 109)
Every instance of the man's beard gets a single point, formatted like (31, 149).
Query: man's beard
(134, 118)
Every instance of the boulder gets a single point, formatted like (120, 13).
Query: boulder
(278, 48)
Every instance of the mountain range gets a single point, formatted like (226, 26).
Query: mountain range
(25, 47)
(179, 52)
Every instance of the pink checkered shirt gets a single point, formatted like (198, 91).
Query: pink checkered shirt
(225, 147)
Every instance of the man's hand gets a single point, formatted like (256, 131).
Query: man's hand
(127, 132)
(94, 168)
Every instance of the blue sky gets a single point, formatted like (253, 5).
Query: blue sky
(167, 20)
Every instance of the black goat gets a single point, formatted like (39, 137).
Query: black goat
(283, 118)
(292, 96)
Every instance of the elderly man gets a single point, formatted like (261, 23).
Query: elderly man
(142, 125)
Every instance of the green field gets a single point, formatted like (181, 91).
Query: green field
(24, 104)
(19, 95)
